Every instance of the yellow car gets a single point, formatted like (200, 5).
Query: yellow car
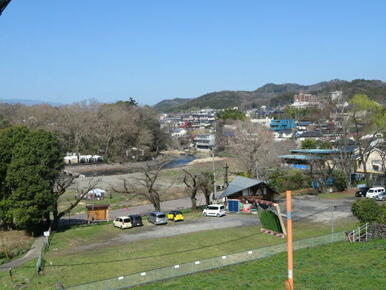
(175, 215)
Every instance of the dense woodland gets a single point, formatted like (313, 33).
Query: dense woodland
(110, 130)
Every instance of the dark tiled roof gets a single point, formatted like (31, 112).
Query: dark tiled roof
(240, 183)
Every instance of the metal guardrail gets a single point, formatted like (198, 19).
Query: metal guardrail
(173, 271)
(358, 235)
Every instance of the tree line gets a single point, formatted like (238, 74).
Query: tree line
(110, 130)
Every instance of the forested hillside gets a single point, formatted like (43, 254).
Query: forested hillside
(274, 94)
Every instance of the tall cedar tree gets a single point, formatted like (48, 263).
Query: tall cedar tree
(36, 164)
(9, 138)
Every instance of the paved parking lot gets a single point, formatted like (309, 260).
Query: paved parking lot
(305, 208)
(178, 228)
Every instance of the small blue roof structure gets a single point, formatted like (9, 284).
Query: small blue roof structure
(315, 151)
(300, 157)
(348, 149)
(239, 184)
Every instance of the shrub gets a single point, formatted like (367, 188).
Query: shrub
(368, 211)
(339, 180)
(290, 179)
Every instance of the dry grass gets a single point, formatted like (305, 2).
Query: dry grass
(13, 244)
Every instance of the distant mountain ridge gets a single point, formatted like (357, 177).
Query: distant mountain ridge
(276, 94)
(165, 104)
(28, 102)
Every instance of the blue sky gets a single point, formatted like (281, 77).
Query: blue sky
(67, 51)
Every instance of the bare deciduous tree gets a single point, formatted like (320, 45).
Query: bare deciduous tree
(145, 185)
(192, 183)
(205, 183)
(252, 144)
(62, 183)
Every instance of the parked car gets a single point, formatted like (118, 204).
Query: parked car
(361, 192)
(381, 196)
(175, 215)
(136, 220)
(374, 191)
(158, 218)
(123, 222)
(217, 210)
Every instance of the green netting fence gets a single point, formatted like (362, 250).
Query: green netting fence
(39, 266)
(172, 271)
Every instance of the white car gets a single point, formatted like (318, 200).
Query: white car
(214, 210)
(123, 222)
(381, 196)
(374, 191)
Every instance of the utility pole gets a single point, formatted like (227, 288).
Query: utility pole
(214, 168)
(214, 174)
(226, 183)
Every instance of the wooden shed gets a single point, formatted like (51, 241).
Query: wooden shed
(97, 212)
(242, 187)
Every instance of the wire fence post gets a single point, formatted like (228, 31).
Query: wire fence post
(332, 223)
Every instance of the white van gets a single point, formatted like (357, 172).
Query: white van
(123, 222)
(214, 210)
(374, 191)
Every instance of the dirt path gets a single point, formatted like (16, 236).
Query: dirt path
(34, 252)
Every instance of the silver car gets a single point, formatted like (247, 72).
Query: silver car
(158, 218)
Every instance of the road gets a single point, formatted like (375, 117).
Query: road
(181, 203)
(315, 209)
(304, 207)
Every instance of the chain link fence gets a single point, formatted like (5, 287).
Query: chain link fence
(206, 264)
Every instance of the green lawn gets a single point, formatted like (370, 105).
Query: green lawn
(336, 266)
(112, 261)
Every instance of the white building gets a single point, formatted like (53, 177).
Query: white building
(204, 142)
(303, 100)
(179, 132)
(264, 122)
(75, 158)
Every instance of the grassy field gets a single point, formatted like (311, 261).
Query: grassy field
(335, 195)
(13, 244)
(336, 266)
(107, 262)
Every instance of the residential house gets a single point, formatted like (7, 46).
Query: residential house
(375, 165)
